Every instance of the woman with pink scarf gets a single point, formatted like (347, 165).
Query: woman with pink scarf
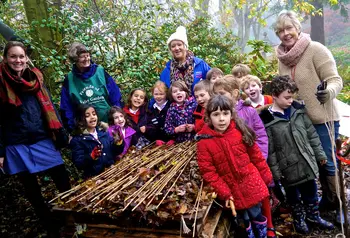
(309, 64)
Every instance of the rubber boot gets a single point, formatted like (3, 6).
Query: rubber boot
(329, 201)
(324, 203)
(249, 230)
(299, 219)
(260, 228)
(313, 217)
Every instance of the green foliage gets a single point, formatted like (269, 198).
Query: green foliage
(260, 60)
(342, 57)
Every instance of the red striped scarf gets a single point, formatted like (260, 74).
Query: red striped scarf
(11, 84)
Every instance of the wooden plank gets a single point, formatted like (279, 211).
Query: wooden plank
(96, 232)
(101, 224)
(224, 225)
(210, 225)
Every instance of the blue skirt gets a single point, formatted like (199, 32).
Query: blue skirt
(31, 158)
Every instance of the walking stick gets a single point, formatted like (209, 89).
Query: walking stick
(341, 184)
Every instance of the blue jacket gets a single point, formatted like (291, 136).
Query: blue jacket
(23, 124)
(83, 144)
(67, 108)
(200, 71)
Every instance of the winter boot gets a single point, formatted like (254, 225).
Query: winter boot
(313, 217)
(249, 230)
(260, 228)
(299, 219)
(329, 201)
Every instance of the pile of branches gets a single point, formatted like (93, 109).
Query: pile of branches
(162, 181)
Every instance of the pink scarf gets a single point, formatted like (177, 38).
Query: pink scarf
(292, 57)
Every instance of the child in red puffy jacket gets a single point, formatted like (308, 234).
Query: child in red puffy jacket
(232, 163)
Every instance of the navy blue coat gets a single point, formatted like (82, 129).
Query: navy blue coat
(82, 145)
(155, 123)
(23, 124)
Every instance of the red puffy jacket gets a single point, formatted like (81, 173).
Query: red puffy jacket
(233, 168)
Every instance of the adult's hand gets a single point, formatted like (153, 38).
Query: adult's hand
(323, 96)
(2, 162)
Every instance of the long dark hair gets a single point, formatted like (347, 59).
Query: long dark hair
(224, 103)
(113, 110)
(80, 118)
(128, 104)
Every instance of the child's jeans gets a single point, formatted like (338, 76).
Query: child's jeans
(306, 191)
(249, 214)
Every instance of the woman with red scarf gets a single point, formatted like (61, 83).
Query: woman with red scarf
(30, 130)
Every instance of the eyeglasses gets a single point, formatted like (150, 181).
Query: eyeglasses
(82, 57)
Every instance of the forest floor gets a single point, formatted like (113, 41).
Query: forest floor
(18, 218)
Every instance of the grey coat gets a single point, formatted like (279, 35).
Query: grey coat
(294, 146)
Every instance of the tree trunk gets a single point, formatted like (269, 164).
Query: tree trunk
(317, 24)
(37, 10)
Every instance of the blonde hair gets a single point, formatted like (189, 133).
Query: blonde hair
(285, 16)
(227, 83)
(161, 86)
(202, 85)
(246, 80)
(240, 70)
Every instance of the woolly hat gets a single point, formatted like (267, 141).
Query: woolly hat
(179, 34)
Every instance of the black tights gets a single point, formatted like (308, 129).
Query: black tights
(33, 192)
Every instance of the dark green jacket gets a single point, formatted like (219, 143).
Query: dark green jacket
(294, 146)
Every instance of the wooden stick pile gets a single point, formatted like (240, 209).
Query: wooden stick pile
(165, 180)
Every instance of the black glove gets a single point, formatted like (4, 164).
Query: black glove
(323, 96)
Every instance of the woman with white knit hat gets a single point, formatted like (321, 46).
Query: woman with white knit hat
(183, 65)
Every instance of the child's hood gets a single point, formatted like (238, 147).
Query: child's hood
(268, 119)
(129, 131)
(207, 131)
(199, 112)
(240, 104)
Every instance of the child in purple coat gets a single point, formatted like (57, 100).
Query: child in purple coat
(118, 122)
(179, 120)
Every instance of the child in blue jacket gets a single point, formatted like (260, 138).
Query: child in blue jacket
(93, 150)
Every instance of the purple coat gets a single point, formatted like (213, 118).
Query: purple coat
(128, 139)
(179, 115)
(251, 117)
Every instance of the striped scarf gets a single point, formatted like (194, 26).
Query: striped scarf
(11, 85)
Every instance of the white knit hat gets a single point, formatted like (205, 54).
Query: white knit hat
(179, 34)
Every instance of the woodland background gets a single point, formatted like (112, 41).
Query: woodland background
(128, 38)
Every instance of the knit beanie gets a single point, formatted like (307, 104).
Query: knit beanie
(179, 34)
